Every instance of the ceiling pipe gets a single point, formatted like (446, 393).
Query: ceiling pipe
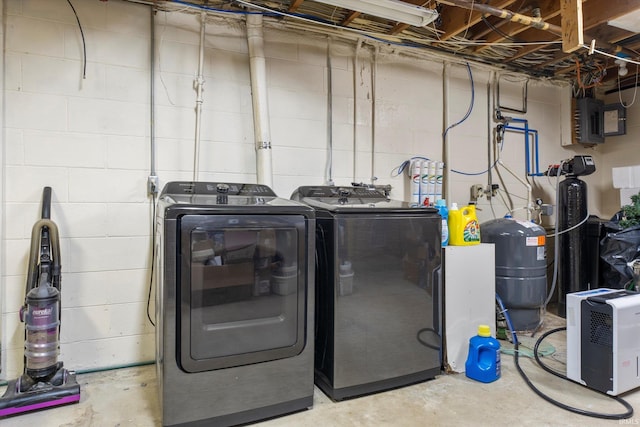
(532, 22)
(261, 128)
(505, 14)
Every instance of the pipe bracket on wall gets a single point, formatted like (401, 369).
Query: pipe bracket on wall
(263, 145)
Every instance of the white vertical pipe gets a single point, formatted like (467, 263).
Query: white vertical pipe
(152, 89)
(3, 211)
(355, 108)
(374, 69)
(199, 85)
(329, 170)
(261, 127)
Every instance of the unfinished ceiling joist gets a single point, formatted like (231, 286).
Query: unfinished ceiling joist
(537, 37)
(572, 31)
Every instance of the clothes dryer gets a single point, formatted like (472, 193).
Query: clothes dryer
(234, 303)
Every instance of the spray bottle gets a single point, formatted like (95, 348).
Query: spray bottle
(441, 205)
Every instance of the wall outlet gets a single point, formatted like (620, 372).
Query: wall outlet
(153, 184)
(477, 191)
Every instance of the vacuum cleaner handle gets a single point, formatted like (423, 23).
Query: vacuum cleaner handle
(46, 203)
(45, 248)
(33, 270)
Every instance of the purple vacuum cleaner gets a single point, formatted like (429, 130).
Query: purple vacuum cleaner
(44, 383)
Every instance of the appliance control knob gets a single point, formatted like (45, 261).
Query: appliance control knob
(222, 188)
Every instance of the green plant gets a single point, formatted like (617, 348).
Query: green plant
(631, 213)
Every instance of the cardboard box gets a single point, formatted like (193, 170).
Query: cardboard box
(625, 195)
(240, 246)
(626, 177)
(205, 277)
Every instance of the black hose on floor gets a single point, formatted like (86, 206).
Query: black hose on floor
(621, 416)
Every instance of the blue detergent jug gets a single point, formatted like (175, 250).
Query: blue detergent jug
(483, 361)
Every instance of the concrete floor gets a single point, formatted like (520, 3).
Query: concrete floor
(128, 397)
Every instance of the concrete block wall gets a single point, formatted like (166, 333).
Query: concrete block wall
(89, 140)
(620, 150)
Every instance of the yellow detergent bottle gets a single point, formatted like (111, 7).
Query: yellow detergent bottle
(464, 229)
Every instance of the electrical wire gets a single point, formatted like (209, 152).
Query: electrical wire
(556, 246)
(419, 42)
(404, 166)
(84, 44)
(226, 11)
(466, 30)
(465, 117)
(426, 343)
(471, 103)
(630, 61)
(635, 90)
(499, 31)
(621, 401)
(153, 256)
(570, 228)
(475, 173)
(514, 195)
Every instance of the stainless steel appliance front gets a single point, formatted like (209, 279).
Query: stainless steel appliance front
(234, 298)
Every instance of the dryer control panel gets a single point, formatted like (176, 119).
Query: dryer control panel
(218, 188)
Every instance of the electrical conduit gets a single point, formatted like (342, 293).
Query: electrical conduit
(261, 129)
(374, 69)
(445, 124)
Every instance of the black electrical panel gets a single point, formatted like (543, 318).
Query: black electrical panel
(588, 121)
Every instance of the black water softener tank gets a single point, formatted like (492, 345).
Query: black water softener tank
(573, 273)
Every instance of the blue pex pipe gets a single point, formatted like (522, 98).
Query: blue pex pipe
(527, 156)
(508, 319)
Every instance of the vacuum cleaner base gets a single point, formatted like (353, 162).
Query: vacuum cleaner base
(41, 396)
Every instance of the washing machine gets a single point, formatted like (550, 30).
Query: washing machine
(234, 304)
(378, 287)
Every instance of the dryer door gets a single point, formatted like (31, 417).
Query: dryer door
(242, 289)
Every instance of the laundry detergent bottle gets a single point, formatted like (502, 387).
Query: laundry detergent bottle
(483, 360)
(441, 205)
(464, 229)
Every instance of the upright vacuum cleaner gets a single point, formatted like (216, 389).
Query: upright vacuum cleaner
(44, 383)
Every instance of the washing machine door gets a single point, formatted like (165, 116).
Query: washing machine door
(242, 289)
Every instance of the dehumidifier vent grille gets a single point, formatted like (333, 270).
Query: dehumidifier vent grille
(601, 330)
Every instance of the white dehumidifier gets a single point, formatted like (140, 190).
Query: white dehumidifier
(603, 339)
